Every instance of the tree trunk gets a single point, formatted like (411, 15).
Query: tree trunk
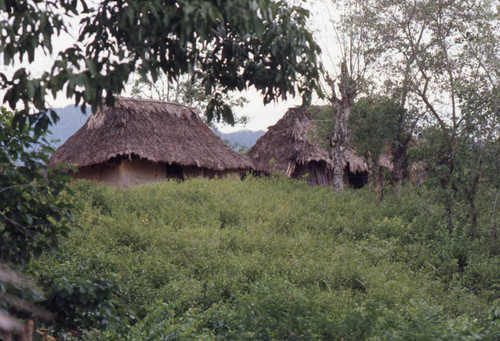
(342, 106)
(399, 151)
(380, 182)
(338, 170)
(447, 163)
(494, 231)
(27, 333)
(471, 198)
(339, 142)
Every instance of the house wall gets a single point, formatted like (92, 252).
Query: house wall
(105, 172)
(315, 173)
(139, 171)
(124, 173)
(128, 173)
(194, 172)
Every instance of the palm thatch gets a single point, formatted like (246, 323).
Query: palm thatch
(161, 132)
(354, 162)
(385, 160)
(289, 147)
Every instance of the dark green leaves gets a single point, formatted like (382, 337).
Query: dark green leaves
(34, 211)
(220, 110)
(81, 301)
(231, 45)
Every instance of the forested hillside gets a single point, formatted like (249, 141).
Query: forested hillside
(269, 259)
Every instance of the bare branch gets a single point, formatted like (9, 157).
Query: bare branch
(431, 108)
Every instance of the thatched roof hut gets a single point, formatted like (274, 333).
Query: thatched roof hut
(289, 147)
(142, 140)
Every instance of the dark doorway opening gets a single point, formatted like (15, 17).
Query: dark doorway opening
(174, 171)
(357, 180)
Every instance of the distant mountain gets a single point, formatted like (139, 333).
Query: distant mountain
(245, 138)
(71, 119)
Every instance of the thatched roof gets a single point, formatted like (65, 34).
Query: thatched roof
(385, 160)
(153, 130)
(291, 142)
(356, 163)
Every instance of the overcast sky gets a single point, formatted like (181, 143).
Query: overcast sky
(260, 116)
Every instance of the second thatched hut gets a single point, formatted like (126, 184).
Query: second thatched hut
(289, 147)
(141, 140)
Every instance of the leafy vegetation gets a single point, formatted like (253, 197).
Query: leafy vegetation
(228, 45)
(190, 92)
(34, 216)
(33, 213)
(263, 258)
(270, 259)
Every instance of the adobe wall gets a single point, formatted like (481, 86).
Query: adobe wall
(104, 172)
(190, 172)
(139, 171)
(128, 173)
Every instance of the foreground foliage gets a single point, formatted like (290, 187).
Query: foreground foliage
(269, 259)
(34, 216)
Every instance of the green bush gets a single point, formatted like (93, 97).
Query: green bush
(81, 301)
(269, 259)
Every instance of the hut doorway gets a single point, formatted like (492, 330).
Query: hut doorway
(174, 171)
(356, 180)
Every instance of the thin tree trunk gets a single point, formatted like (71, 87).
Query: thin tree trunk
(447, 161)
(342, 106)
(338, 170)
(494, 231)
(339, 142)
(380, 182)
(27, 333)
(400, 162)
(471, 198)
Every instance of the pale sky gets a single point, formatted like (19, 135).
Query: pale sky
(261, 116)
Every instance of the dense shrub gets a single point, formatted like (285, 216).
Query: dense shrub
(269, 259)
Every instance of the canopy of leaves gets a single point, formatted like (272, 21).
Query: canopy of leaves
(375, 123)
(229, 44)
(191, 92)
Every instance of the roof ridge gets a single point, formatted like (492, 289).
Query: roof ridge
(122, 98)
